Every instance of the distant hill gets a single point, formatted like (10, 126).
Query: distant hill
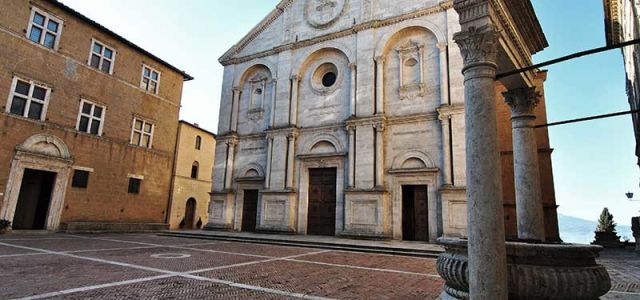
(576, 230)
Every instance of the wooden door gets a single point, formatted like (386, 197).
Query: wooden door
(249, 210)
(322, 202)
(415, 213)
(190, 213)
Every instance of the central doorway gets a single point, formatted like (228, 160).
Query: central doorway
(322, 202)
(33, 200)
(415, 212)
(249, 210)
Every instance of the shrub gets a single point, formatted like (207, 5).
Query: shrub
(606, 223)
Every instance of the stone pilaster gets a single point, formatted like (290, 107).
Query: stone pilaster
(379, 84)
(444, 76)
(235, 108)
(487, 250)
(352, 98)
(379, 153)
(267, 175)
(291, 154)
(231, 142)
(529, 207)
(274, 90)
(445, 122)
(293, 105)
(351, 156)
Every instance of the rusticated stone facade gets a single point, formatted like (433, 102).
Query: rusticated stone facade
(95, 111)
(371, 89)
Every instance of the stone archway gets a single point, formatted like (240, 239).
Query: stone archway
(40, 152)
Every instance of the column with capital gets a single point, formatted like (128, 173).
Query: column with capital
(293, 105)
(231, 151)
(291, 138)
(379, 85)
(529, 207)
(274, 87)
(444, 76)
(351, 155)
(485, 211)
(234, 109)
(445, 121)
(379, 154)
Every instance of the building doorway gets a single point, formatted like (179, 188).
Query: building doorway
(322, 202)
(190, 213)
(249, 210)
(34, 200)
(415, 212)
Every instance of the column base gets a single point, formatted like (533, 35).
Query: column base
(535, 271)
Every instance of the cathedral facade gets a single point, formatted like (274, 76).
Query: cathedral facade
(345, 118)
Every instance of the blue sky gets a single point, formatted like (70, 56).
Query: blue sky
(594, 162)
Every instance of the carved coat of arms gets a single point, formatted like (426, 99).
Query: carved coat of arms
(321, 13)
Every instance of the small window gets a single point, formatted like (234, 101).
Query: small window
(194, 170)
(150, 79)
(101, 57)
(329, 79)
(142, 133)
(134, 185)
(44, 29)
(198, 142)
(28, 99)
(80, 179)
(90, 118)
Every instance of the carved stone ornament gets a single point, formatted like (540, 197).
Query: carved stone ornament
(522, 101)
(478, 45)
(322, 13)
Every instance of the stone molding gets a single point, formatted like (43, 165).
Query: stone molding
(478, 46)
(446, 111)
(228, 59)
(366, 121)
(522, 101)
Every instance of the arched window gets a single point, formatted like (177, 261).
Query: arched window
(198, 142)
(194, 170)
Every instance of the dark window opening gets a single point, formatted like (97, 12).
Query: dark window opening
(329, 79)
(134, 185)
(198, 142)
(80, 179)
(194, 170)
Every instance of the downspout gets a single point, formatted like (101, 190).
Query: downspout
(173, 176)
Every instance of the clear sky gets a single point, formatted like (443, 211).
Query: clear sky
(594, 162)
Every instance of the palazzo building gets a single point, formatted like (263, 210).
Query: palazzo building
(88, 123)
(346, 118)
(191, 177)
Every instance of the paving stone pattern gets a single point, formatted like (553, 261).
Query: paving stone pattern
(146, 266)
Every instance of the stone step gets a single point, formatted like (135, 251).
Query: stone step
(344, 245)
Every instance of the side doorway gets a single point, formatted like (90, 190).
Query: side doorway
(415, 213)
(190, 213)
(249, 210)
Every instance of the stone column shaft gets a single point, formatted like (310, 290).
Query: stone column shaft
(444, 78)
(231, 148)
(293, 113)
(290, 159)
(485, 212)
(529, 206)
(234, 109)
(446, 149)
(379, 85)
(267, 175)
(352, 99)
(274, 90)
(352, 157)
(379, 154)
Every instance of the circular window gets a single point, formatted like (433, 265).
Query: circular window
(325, 78)
(329, 79)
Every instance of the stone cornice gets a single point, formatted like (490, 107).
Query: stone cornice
(363, 121)
(228, 59)
(449, 110)
(417, 118)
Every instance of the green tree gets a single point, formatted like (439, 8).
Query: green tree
(606, 223)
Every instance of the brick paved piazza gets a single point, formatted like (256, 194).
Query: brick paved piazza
(146, 266)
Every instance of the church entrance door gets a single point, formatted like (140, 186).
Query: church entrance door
(33, 200)
(415, 220)
(322, 202)
(249, 210)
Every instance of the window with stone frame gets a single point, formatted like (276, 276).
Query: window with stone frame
(134, 185)
(142, 133)
(28, 99)
(90, 118)
(258, 85)
(411, 70)
(150, 79)
(194, 170)
(102, 57)
(44, 28)
(198, 142)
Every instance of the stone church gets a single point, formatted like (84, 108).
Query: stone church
(346, 118)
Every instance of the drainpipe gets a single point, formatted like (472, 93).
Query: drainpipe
(173, 177)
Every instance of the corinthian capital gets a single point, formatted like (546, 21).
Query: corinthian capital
(478, 44)
(522, 101)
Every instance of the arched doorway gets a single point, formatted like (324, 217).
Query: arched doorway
(190, 213)
(37, 183)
